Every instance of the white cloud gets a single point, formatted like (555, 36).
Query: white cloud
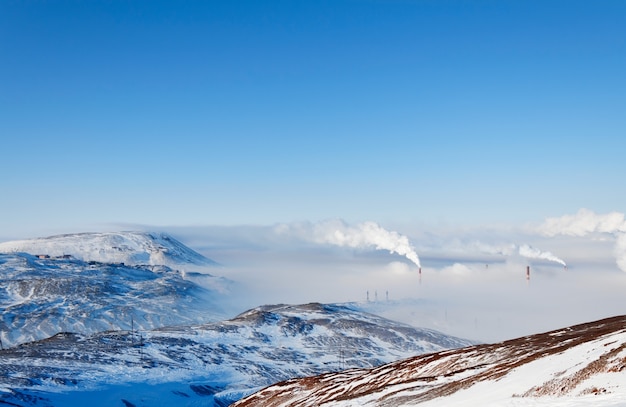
(398, 268)
(457, 269)
(584, 222)
(620, 251)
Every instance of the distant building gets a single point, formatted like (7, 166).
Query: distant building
(47, 256)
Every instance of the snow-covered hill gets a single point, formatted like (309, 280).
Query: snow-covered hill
(576, 366)
(41, 297)
(130, 248)
(209, 364)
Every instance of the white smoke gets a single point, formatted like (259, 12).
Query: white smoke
(586, 222)
(366, 235)
(507, 250)
(532, 253)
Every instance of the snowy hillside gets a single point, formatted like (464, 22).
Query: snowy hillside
(577, 366)
(130, 248)
(41, 297)
(210, 364)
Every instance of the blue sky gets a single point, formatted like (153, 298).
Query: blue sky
(247, 112)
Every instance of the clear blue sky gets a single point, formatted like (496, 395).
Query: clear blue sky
(231, 112)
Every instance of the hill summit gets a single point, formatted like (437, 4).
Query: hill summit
(130, 248)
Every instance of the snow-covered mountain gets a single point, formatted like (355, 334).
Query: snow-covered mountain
(92, 282)
(130, 248)
(41, 297)
(576, 366)
(209, 364)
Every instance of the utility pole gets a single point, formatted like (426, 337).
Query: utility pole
(140, 348)
(342, 358)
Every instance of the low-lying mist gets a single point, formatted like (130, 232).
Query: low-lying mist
(472, 284)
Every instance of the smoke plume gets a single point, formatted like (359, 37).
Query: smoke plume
(366, 235)
(532, 253)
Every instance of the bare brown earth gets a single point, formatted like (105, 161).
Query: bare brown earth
(429, 376)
